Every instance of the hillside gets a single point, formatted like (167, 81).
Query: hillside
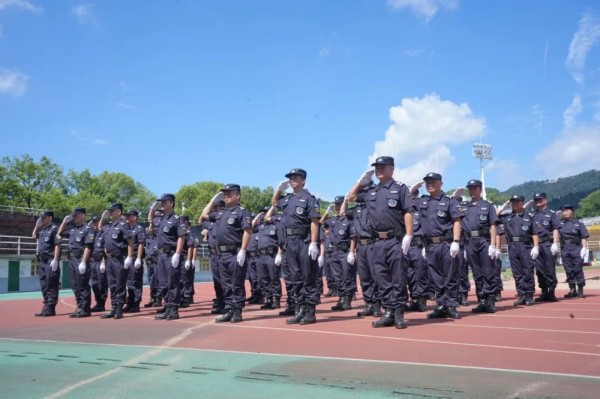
(564, 190)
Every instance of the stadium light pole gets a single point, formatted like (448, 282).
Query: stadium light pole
(481, 152)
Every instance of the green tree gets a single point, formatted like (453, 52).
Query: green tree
(195, 197)
(590, 205)
(495, 196)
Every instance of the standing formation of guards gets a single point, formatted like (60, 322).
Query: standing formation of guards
(406, 249)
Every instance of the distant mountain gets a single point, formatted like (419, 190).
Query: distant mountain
(565, 190)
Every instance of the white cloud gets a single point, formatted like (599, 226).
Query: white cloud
(100, 142)
(13, 82)
(572, 111)
(22, 4)
(83, 139)
(422, 131)
(418, 53)
(425, 8)
(506, 173)
(324, 52)
(584, 39)
(574, 152)
(127, 106)
(83, 13)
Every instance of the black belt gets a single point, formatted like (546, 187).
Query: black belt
(477, 233)
(398, 232)
(268, 251)
(417, 242)
(77, 254)
(168, 250)
(150, 261)
(97, 256)
(573, 241)
(252, 254)
(228, 248)
(116, 253)
(299, 231)
(45, 257)
(213, 250)
(341, 247)
(366, 241)
(447, 237)
(526, 240)
(545, 239)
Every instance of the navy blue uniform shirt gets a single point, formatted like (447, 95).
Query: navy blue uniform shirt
(438, 214)
(47, 240)
(230, 224)
(386, 204)
(545, 222)
(518, 224)
(117, 236)
(480, 215)
(169, 230)
(299, 209)
(572, 229)
(80, 237)
(267, 235)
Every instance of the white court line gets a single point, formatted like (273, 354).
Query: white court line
(537, 317)
(426, 341)
(452, 366)
(521, 329)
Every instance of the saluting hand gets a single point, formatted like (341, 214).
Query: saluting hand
(283, 185)
(366, 177)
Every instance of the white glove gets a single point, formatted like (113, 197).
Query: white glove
(459, 192)
(155, 206)
(241, 257)
(38, 223)
(54, 265)
(278, 259)
(188, 264)
(416, 186)
(366, 177)
(492, 251)
(330, 208)
(68, 218)
(102, 267)
(424, 253)
(504, 207)
(583, 252)
(313, 250)
(465, 254)
(454, 249)
(321, 260)
(128, 262)
(351, 258)
(283, 185)
(554, 249)
(105, 215)
(535, 252)
(175, 260)
(528, 205)
(218, 197)
(138, 263)
(406, 243)
(81, 268)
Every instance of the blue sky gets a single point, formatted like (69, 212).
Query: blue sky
(175, 92)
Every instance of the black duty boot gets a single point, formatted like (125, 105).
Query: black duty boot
(236, 317)
(300, 313)
(41, 312)
(520, 301)
(163, 315)
(78, 309)
(498, 296)
(276, 303)
(399, 322)
(49, 311)
(386, 321)
(490, 303)
(83, 313)
(335, 292)
(135, 308)
(110, 314)
(552, 295)
(452, 313)
(309, 317)
(185, 303)
(119, 312)
(438, 313)
(99, 307)
(580, 291)
(150, 303)
(173, 313)
(339, 306)
(225, 318)
(572, 292)
(347, 303)
(367, 311)
(422, 304)
(127, 307)
(464, 299)
(481, 307)
(543, 296)
(529, 300)
(157, 303)
(377, 310)
(288, 311)
(412, 306)
(268, 304)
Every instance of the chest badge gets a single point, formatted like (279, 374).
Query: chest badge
(230, 221)
(392, 202)
(299, 210)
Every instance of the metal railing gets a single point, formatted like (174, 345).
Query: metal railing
(20, 209)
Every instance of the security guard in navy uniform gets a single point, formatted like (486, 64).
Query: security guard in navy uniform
(479, 231)
(573, 243)
(345, 273)
(233, 229)
(440, 221)
(81, 239)
(189, 267)
(326, 251)
(256, 295)
(48, 255)
(389, 210)
(268, 272)
(209, 232)
(135, 277)
(118, 249)
(301, 213)
(523, 248)
(546, 221)
(98, 280)
(151, 260)
(170, 238)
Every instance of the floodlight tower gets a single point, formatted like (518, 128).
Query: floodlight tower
(481, 152)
